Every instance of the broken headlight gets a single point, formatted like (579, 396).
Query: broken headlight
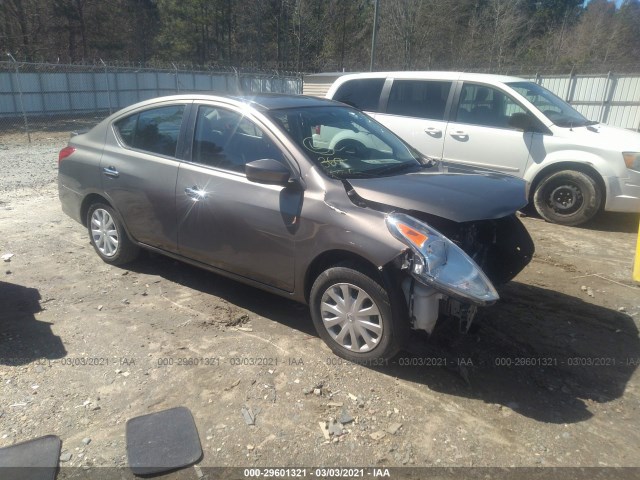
(440, 263)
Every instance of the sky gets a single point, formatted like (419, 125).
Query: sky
(618, 2)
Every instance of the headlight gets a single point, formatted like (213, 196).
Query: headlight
(632, 160)
(441, 263)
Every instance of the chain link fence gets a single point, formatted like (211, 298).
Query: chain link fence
(37, 97)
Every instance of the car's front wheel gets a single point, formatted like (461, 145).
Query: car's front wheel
(108, 236)
(567, 197)
(354, 315)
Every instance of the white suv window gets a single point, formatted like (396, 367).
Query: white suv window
(419, 98)
(363, 94)
(486, 106)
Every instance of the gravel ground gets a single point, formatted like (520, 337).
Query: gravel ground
(29, 166)
(547, 377)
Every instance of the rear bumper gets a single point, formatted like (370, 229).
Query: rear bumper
(71, 202)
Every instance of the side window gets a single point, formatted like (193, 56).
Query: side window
(126, 128)
(419, 98)
(227, 140)
(154, 131)
(487, 106)
(363, 94)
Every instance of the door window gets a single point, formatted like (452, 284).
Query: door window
(486, 106)
(154, 131)
(419, 98)
(228, 140)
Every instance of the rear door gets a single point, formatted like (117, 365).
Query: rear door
(480, 131)
(139, 171)
(226, 221)
(416, 111)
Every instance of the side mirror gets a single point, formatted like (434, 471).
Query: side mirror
(522, 121)
(268, 171)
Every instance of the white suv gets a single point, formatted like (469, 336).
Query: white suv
(575, 166)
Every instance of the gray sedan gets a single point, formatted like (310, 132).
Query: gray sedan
(303, 197)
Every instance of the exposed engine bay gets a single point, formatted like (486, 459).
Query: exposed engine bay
(500, 247)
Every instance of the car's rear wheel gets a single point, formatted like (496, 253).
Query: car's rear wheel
(108, 236)
(354, 315)
(567, 197)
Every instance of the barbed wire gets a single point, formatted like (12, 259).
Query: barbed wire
(6, 65)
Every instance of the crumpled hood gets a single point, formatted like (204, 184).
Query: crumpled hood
(461, 197)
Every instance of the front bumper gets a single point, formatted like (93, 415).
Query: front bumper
(623, 194)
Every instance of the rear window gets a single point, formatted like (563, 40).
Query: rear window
(363, 94)
(154, 131)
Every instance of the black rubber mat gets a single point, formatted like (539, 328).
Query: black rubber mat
(31, 460)
(162, 441)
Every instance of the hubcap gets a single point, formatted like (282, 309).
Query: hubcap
(104, 232)
(565, 199)
(351, 317)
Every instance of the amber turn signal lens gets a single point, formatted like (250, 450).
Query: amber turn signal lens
(414, 236)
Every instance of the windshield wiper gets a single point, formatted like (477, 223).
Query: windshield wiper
(343, 174)
(393, 168)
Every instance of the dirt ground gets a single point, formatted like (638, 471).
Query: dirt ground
(546, 377)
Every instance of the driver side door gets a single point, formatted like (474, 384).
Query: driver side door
(225, 220)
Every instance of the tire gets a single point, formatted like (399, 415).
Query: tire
(358, 338)
(108, 236)
(567, 197)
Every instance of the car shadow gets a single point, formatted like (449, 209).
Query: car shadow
(265, 304)
(23, 338)
(613, 222)
(603, 222)
(540, 353)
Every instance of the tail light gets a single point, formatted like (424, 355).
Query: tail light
(64, 153)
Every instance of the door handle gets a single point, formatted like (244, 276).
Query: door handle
(433, 132)
(459, 133)
(111, 172)
(195, 193)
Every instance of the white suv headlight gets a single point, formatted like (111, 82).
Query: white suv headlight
(632, 160)
(441, 263)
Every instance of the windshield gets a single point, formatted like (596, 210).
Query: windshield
(558, 111)
(346, 143)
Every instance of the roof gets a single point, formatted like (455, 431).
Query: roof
(260, 101)
(275, 101)
(480, 77)
(327, 74)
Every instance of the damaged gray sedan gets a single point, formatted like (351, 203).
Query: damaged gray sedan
(303, 197)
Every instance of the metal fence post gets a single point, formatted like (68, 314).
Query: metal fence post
(607, 97)
(106, 74)
(176, 74)
(238, 84)
(24, 113)
(570, 87)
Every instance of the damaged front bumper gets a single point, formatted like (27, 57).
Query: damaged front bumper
(452, 275)
(426, 306)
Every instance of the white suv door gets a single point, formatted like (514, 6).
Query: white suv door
(482, 131)
(416, 111)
